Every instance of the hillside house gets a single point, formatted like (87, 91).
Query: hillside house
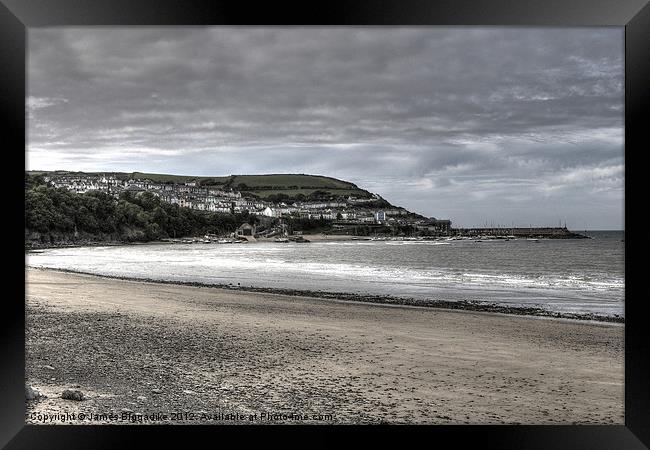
(245, 229)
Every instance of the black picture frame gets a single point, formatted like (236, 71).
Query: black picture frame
(16, 16)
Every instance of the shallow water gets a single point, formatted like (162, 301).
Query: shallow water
(568, 276)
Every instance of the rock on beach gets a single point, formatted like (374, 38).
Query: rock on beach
(76, 395)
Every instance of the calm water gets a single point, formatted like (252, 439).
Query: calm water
(577, 276)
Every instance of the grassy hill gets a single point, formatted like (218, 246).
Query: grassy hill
(289, 184)
(260, 185)
(157, 177)
(287, 180)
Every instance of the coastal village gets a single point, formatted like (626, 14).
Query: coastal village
(345, 213)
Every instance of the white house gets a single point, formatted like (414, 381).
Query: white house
(270, 212)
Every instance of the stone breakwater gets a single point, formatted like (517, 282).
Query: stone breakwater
(467, 305)
(522, 233)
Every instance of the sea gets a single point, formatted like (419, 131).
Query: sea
(567, 276)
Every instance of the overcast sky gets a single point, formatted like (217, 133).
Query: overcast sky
(504, 125)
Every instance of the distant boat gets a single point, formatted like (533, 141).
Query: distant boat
(281, 240)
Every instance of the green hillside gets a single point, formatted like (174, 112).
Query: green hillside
(292, 185)
(156, 177)
(259, 185)
(279, 181)
(292, 193)
(166, 178)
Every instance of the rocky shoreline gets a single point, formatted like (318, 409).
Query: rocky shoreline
(32, 244)
(35, 246)
(466, 305)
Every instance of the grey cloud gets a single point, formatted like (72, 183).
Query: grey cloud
(432, 118)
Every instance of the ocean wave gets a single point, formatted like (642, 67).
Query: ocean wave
(350, 267)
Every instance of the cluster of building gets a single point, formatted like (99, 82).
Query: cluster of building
(188, 195)
(351, 210)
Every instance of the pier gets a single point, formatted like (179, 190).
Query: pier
(521, 232)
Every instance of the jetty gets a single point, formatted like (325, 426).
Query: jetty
(520, 232)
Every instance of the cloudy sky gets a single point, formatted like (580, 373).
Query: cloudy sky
(497, 125)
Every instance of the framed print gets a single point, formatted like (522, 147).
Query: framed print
(410, 215)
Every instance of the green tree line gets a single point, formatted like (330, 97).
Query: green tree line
(58, 214)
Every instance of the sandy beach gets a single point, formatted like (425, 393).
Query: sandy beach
(146, 352)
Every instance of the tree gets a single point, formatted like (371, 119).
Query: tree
(320, 195)
(39, 210)
(59, 214)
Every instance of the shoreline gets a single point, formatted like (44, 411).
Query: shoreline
(317, 237)
(463, 305)
(311, 237)
(140, 352)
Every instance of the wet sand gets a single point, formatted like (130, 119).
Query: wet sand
(145, 352)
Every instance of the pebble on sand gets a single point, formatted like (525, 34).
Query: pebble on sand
(73, 395)
(31, 393)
